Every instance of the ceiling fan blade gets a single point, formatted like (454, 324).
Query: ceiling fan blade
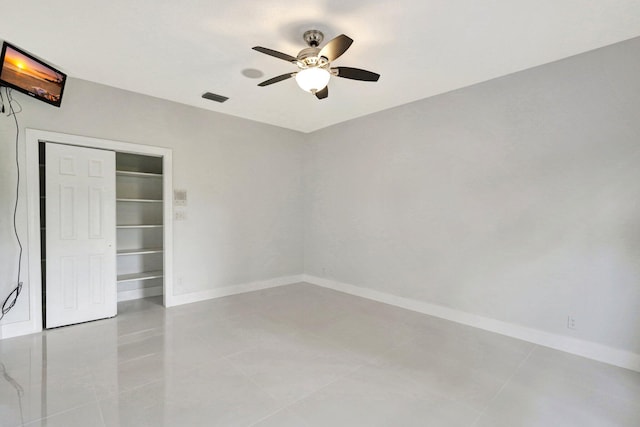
(322, 94)
(336, 47)
(275, 53)
(276, 79)
(356, 74)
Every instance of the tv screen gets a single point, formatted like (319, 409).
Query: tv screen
(24, 73)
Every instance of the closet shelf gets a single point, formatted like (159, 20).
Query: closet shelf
(147, 275)
(139, 174)
(140, 200)
(140, 251)
(140, 226)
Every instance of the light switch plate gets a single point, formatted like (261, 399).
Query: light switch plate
(180, 197)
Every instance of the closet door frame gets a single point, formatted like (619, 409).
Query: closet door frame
(33, 139)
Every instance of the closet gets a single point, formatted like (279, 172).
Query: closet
(139, 220)
(102, 219)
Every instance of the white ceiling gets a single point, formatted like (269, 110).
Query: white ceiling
(177, 50)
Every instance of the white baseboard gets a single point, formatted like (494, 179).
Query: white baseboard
(233, 290)
(588, 349)
(18, 328)
(152, 291)
(27, 327)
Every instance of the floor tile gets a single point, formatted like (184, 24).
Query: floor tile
(537, 396)
(282, 418)
(217, 395)
(373, 396)
(603, 378)
(27, 396)
(302, 356)
(469, 368)
(88, 415)
(293, 367)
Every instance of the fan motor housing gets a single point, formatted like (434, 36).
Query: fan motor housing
(308, 57)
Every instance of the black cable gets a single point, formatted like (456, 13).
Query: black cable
(11, 102)
(11, 299)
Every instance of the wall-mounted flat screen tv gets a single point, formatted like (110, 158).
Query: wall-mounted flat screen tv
(24, 73)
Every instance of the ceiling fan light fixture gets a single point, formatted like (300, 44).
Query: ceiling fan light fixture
(314, 64)
(313, 79)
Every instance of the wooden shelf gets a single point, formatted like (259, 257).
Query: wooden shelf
(147, 275)
(140, 200)
(141, 251)
(140, 226)
(139, 174)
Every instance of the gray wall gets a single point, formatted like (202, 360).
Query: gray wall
(517, 199)
(244, 182)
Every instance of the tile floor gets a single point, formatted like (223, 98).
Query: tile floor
(300, 356)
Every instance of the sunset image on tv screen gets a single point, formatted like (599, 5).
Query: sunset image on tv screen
(24, 72)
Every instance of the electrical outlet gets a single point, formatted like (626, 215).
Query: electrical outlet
(179, 215)
(571, 322)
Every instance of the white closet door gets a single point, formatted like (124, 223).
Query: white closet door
(80, 235)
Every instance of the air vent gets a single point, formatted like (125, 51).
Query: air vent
(214, 97)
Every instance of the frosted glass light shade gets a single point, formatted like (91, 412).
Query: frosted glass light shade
(313, 79)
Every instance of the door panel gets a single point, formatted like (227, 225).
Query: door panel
(96, 278)
(67, 211)
(69, 281)
(96, 220)
(80, 235)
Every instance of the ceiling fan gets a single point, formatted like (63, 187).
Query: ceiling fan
(314, 64)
